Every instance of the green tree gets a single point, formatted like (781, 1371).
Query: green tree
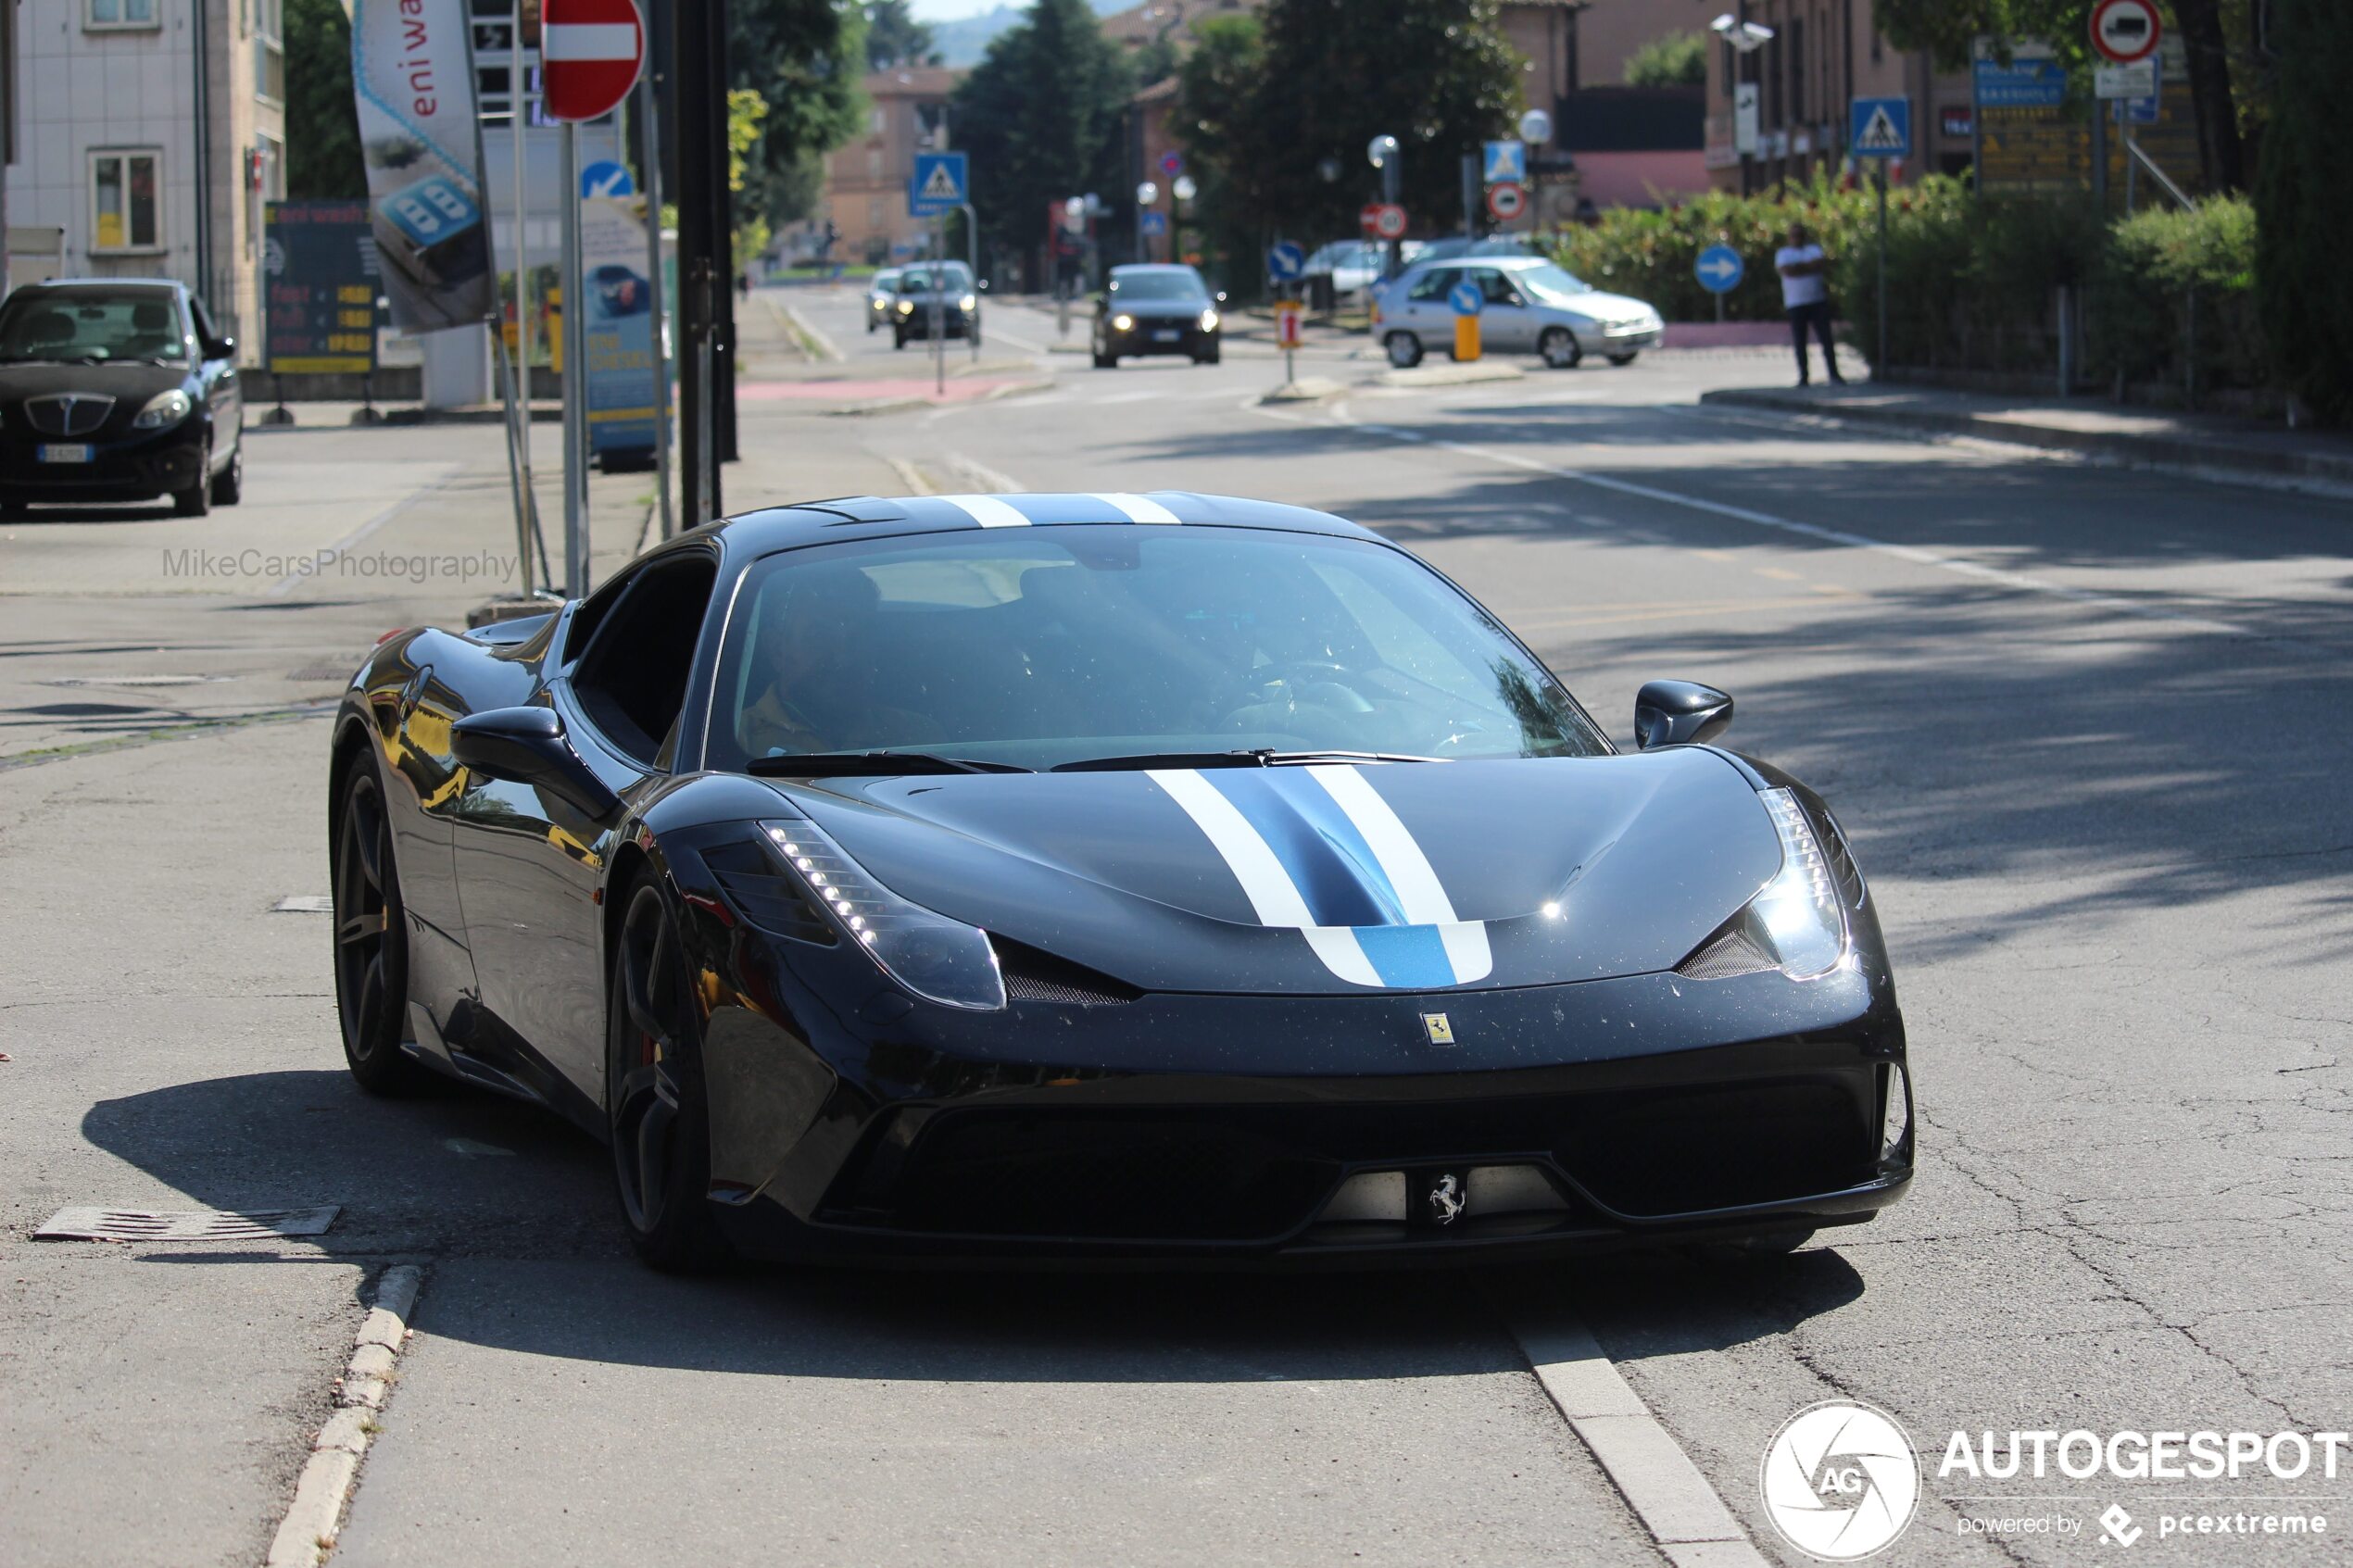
(322, 129)
(1217, 83)
(1436, 74)
(895, 37)
(804, 58)
(2304, 225)
(1678, 59)
(1949, 28)
(1041, 116)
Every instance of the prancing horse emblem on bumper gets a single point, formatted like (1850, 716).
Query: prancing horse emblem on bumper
(1441, 1033)
(1446, 1199)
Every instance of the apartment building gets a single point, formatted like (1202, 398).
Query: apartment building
(866, 177)
(1823, 55)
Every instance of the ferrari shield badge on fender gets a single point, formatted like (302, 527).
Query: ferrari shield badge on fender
(1441, 1033)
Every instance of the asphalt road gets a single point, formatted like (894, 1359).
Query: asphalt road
(2081, 722)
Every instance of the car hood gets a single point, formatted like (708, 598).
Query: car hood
(1602, 306)
(128, 384)
(1162, 309)
(1327, 879)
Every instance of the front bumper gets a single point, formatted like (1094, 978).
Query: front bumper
(1146, 337)
(1614, 339)
(953, 322)
(132, 468)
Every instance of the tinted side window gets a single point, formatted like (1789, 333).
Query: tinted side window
(633, 680)
(1433, 284)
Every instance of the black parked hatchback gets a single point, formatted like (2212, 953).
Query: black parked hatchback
(117, 389)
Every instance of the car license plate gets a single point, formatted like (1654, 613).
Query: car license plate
(77, 452)
(1167, 334)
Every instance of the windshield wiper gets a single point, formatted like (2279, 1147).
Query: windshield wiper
(1260, 758)
(818, 764)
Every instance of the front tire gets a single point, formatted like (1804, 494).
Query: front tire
(1404, 350)
(1208, 356)
(196, 500)
(371, 941)
(657, 1113)
(1620, 360)
(1560, 348)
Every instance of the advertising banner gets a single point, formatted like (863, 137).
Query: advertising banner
(617, 331)
(319, 298)
(412, 73)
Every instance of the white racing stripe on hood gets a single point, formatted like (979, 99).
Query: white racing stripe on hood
(987, 510)
(1140, 509)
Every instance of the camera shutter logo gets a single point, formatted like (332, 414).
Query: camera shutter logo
(1841, 1480)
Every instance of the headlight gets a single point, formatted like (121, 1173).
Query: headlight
(163, 410)
(906, 307)
(968, 303)
(1121, 324)
(935, 957)
(1797, 924)
(1208, 320)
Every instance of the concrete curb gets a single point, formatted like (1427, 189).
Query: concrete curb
(897, 405)
(1452, 375)
(1307, 389)
(2212, 459)
(308, 1533)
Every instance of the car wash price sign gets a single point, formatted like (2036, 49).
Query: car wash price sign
(320, 299)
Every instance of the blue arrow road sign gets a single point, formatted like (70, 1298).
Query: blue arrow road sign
(1507, 160)
(940, 185)
(606, 177)
(1466, 298)
(1151, 222)
(1286, 261)
(1720, 268)
(1880, 128)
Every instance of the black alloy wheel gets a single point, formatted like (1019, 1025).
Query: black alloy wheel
(371, 943)
(654, 1100)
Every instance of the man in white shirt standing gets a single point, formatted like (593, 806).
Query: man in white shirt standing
(1805, 295)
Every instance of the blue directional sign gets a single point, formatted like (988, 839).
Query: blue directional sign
(1466, 298)
(2140, 111)
(1880, 128)
(1286, 261)
(942, 182)
(1149, 222)
(1720, 268)
(1505, 162)
(606, 177)
(2027, 82)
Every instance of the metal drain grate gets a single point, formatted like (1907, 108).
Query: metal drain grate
(187, 1225)
(304, 904)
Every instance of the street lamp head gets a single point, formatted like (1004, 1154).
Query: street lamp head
(1379, 150)
(1074, 208)
(1146, 193)
(1183, 189)
(1536, 126)
(1330, 168)
(1747, 37)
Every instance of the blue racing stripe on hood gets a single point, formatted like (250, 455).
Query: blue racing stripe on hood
(1336, 871)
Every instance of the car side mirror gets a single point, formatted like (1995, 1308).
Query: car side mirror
(527, 745)
(1221, 296)
(1679, 713)
(984, 285)
(220, 348)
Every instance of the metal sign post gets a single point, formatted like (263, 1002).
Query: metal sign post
(650, 109)
(518, 363)
(972, 259)
(939, 305)
(575, 378)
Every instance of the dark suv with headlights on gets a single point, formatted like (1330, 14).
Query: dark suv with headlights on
(117, 389)
(1156, 309)
(945, 284)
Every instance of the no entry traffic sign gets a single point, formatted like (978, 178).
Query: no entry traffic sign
(2126, 31)
(592, 51)
(1383, 220)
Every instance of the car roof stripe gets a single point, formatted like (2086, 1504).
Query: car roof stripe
(1140, 509)
(989, 511)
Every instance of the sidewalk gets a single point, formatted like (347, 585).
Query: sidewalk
(2213, 444)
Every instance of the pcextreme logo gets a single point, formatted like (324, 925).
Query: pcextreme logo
(1841, 1480)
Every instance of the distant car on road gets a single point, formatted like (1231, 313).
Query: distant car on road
(1533, 306)
(1122, 876)
(1156, 309)
(1355, 265)
(882, 293)
(950, 284)
(117, 389)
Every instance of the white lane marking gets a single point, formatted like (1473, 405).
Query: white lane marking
(987, 511)
(1000, 483)
(2018, 580)
(1138, 509)
(1408, 870)
(1274, 897)
(1667, 1491)
(320, 561)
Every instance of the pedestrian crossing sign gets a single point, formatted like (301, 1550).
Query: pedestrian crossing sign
(941, 184)
(1880, 128)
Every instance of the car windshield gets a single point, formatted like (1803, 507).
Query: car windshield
(918, 281)
(92, 324)
(1041, 647)
(1549, 282)
(1157, 285)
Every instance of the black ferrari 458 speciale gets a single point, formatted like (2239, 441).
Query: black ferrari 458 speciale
(1120, 876)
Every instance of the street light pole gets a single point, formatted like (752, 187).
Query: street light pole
(1383, 153)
